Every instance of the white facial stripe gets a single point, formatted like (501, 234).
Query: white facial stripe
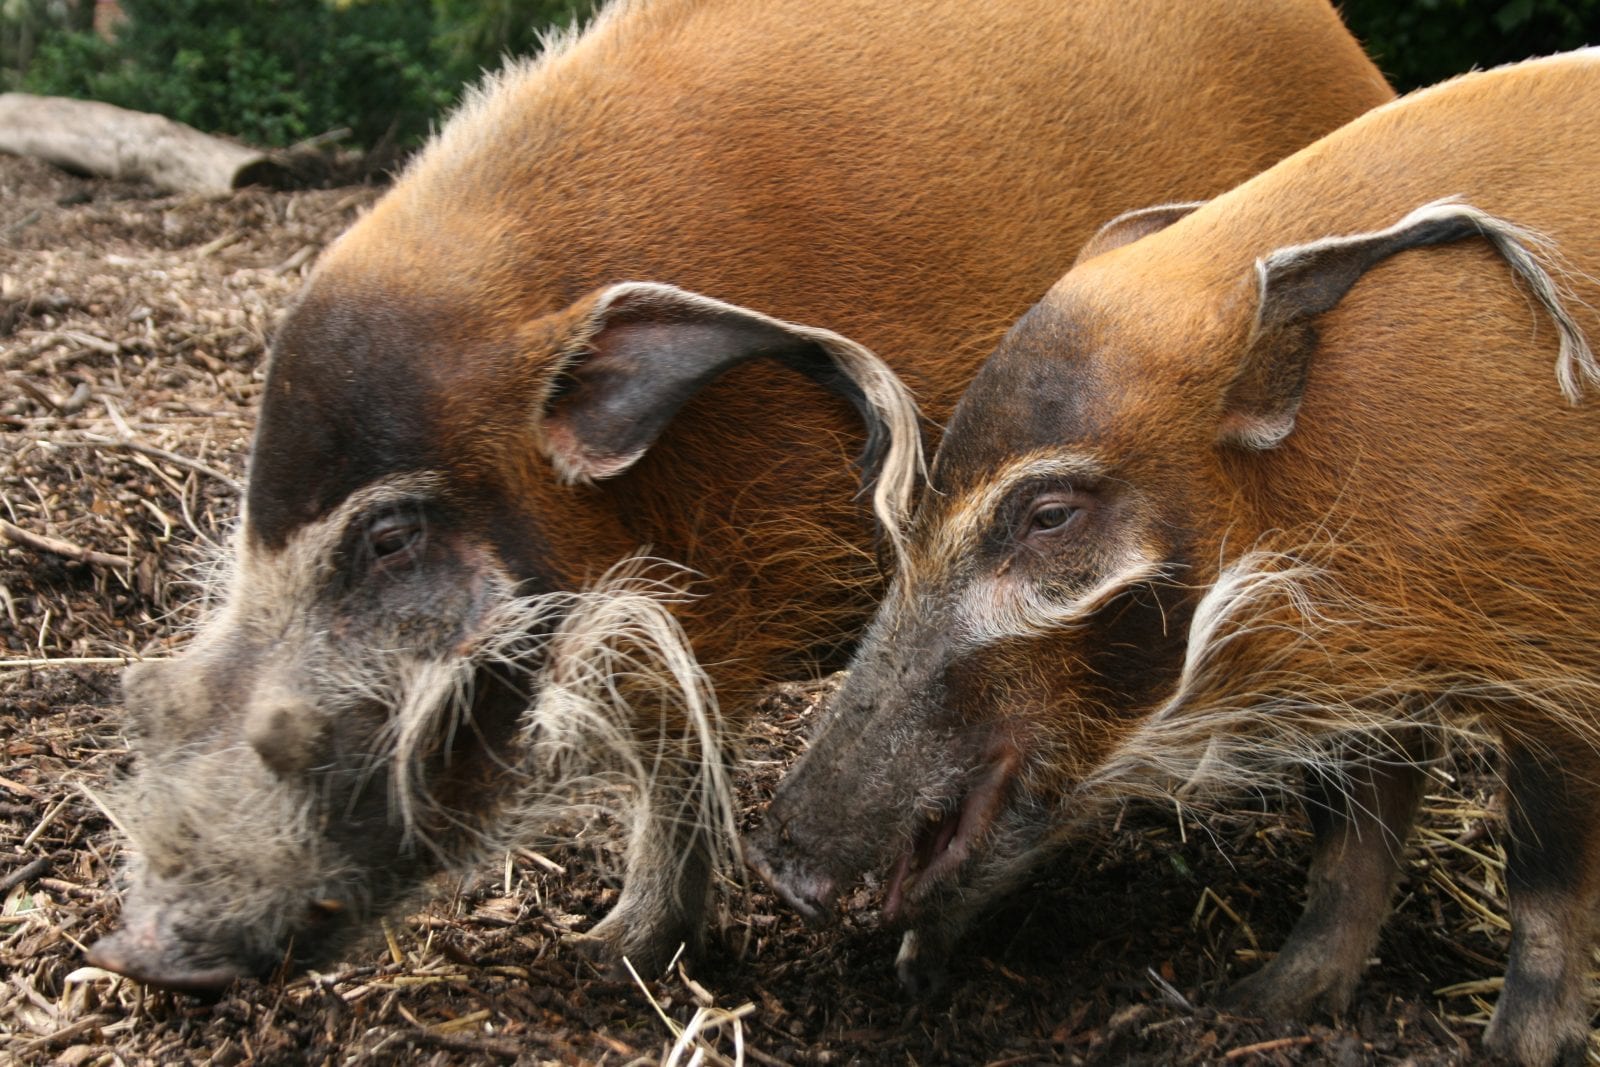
(997, 608)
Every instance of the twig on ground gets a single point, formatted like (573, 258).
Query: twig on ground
(38, 394)
(1261, 1047)
(65, 661)
(476, 1044)
(27, 871)
(76, 1029)
(296, 261)
(56, 547)
(1169, 991)
(20, 789)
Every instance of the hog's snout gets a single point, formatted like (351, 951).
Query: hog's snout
(838, 812)
(808, 891)
(175, 943)
(146, 952)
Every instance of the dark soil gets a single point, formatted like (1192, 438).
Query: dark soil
(133, 330)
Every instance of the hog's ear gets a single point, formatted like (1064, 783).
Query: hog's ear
(1132, 225)
(1296, 284)
(642, 350)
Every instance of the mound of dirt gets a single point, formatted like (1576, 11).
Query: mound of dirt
(133, 330)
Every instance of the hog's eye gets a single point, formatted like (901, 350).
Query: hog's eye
(393, 537)
(1050, 516)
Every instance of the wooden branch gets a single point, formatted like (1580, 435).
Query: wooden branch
(57, 547)
(73, 1030)
(27, 871)
(113, 142)
(49, 662)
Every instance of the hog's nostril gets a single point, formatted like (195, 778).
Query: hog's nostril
(134, 954)
(108, 955)
(811, 896)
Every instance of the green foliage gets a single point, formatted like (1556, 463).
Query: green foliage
(474, 34)
(277, 71)
(1420, 42)
(23, 23)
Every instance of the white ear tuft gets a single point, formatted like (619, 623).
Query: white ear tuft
(642, 349)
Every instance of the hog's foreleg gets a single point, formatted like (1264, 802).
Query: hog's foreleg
(665, 892)
(1360, 815)
(1553, 880)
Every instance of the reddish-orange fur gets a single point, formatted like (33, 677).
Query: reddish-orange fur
(1013, 131)
(909, 175)
(1437, 479)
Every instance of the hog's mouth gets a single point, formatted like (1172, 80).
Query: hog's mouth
(949, 838)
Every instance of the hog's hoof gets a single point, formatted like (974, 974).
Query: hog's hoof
(922, 969)
(614, 939)
(599, 951)
(1291, 988)
(1537, 1039)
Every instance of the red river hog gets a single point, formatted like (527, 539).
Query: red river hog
(518, 523)
(1304, 479)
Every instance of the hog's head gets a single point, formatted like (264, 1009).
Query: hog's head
(1037, 615)
(423, 632)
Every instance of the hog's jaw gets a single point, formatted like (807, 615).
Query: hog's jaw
(903, 779)
(371, 704)
(231, 871)
(280, 795)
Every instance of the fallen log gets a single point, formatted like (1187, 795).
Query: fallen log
(112, 142)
